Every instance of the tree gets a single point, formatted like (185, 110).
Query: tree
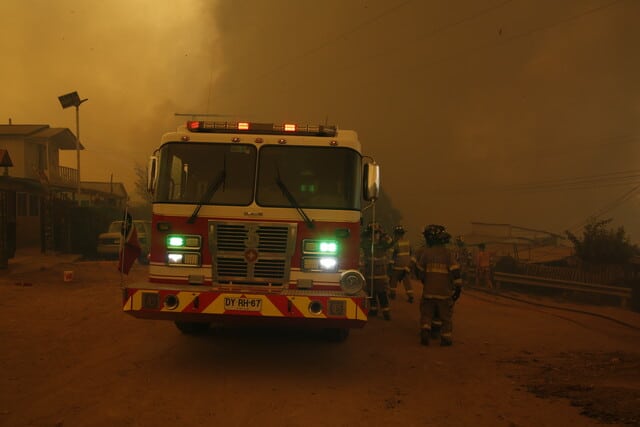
(601, 245)
(141, 208)
(387, 215)
(141, 183)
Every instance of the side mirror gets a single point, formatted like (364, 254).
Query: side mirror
(152, 174)
(371, 181)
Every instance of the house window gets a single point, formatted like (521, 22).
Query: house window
(34, 205)
(27, 204)
(21, 204)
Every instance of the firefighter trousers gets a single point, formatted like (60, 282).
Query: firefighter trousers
(435, 308)
(379, 296)
(400, 276)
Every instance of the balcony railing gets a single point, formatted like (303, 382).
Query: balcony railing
(62, 175)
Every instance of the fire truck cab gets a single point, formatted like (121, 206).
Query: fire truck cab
(256, 223)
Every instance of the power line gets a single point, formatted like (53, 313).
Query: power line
(439, 30)
(332, 40)
(374, 19)
(430, 34)
(607, 208)
(476, 49)
(612, 178)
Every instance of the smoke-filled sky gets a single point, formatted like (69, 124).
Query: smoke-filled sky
(506, 111)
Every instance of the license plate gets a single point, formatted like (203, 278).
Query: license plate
(242, 303)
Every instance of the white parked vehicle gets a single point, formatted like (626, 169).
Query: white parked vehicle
(110, 241)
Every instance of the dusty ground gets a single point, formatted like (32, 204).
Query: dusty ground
(70, 357)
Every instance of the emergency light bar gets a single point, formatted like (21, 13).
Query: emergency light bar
(261, 128)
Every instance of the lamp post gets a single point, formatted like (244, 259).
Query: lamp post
(73, 100)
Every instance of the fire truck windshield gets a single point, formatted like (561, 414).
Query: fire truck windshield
(188, 172)
(315, 177)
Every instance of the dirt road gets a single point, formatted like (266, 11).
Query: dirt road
(70, 357)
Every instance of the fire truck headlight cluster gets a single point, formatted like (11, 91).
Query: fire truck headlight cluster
(320, 255)
(187, 259)
(183, 250)
(352, 282)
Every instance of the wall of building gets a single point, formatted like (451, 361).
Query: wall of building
(15, 148)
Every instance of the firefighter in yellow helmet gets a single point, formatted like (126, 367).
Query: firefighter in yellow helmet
(440, 274)
(375, 244)
(400, 263)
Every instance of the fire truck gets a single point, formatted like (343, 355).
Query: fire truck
(256, 223)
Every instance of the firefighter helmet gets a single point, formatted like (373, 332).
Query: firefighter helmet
(398, 229)
(436, 235)
(374, 227)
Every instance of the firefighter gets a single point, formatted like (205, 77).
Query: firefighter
(483, 267)
(440, 274)
(400, 264)
(463, 256)
(375, 264)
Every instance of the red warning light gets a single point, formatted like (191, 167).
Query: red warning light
(289, 128)
(193, 125)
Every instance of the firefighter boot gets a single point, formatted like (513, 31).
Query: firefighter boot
(435, 329)
(445, 341)
(386, 314)
(424, 336)
(410, 298)
(392, 294)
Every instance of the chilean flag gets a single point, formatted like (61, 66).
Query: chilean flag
(129, 250)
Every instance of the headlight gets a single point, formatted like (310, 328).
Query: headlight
(328, 264)
(321, 264)
(188, 241)
(191, 259)
(351, 282)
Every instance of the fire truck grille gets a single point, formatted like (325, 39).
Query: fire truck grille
(250, 252)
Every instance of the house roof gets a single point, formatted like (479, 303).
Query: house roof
(116, 188)
(63, 138)
(20, 130)
(544, 254)
(5, 159)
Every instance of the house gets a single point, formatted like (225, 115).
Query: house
(112, 194)
(37, 193)
(524, 244)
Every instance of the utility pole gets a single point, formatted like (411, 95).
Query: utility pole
(73, 100)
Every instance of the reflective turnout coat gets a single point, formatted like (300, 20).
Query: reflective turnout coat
(439, 271)
(378, 262)
(402, 255)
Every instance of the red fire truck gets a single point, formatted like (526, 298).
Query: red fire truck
(256, 222)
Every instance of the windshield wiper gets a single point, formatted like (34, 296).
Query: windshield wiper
(211, 190)
(285, 191)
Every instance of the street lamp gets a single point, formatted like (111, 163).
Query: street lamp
(73, 100)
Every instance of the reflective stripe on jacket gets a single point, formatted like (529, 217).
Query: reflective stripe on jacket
(440, 272)
(402, 255)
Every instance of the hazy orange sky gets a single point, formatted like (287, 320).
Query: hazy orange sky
(509, 111)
